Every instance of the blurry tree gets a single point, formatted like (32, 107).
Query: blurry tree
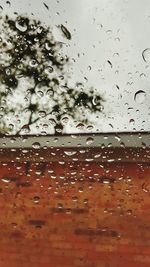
(32, 80)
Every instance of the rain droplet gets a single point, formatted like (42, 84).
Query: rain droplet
(59, 128)
(140, 96)
(97, 156)
(65, 120)
(105, 180)
(117, 138)
(36, 145)
(42, 114)
(25, 129)
(89, 127)
(47, 7)
(52, 122)
(56, 139)
(89, 140)
(21, 25)
(144, 188)
(70, 153)
(146, 55)
(8, 3)
(50, 92)
(132, 122)
(80, 189)
(47, 46)
(94, 101)
(11, 126)
(48, 70)
(109, 62)
(129, 212)
(38, 172)
(36, 199)
(60, 206)
(40, 93)
(40, 29)
(74, 199)
(6, 180)
(33, 63)
(66, 32)
(14, 225)
(80, 126)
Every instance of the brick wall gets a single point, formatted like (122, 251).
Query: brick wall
(91, 214)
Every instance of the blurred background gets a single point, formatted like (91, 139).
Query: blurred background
(109, 50)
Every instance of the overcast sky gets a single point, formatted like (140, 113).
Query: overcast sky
(108, 38)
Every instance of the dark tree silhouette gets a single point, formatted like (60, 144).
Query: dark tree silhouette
(33, 83)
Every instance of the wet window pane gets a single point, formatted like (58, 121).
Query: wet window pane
(69, 73)
(74, 133)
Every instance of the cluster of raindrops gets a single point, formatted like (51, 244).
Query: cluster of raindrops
(33, 91)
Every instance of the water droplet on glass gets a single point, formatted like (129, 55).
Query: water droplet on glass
(8, 3)
(11, 126)
(70, 153)
(80, 126)
(38, 172)
(42, 114)
(65, 120)
(40, 29)
(122, 144)
(33, 63)
(74, 199)
(36, 145)
(52, 122)
(6, 180)
(21, 25)
(129, 212)
(97, 156)
(47, 7)
(40, 93)
(59, 128)
(89, 140)
(80, 189)
(89, 67)
(117, 138)
(146, 55)
(60, 206)
(36, 199)
(65, 31)
(48, 70)
(25, 129)
(142, 75)
(48, 46)
(105, 180)
(50, 92)
(56, 139)
(140, 96)
(111, 125)
(132, 122)
(90, 127)
(94, 101)
(14, 225)
(144, 188)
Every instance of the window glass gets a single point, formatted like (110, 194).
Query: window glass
(74, 66)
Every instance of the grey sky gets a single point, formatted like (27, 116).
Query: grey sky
(103, 31)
